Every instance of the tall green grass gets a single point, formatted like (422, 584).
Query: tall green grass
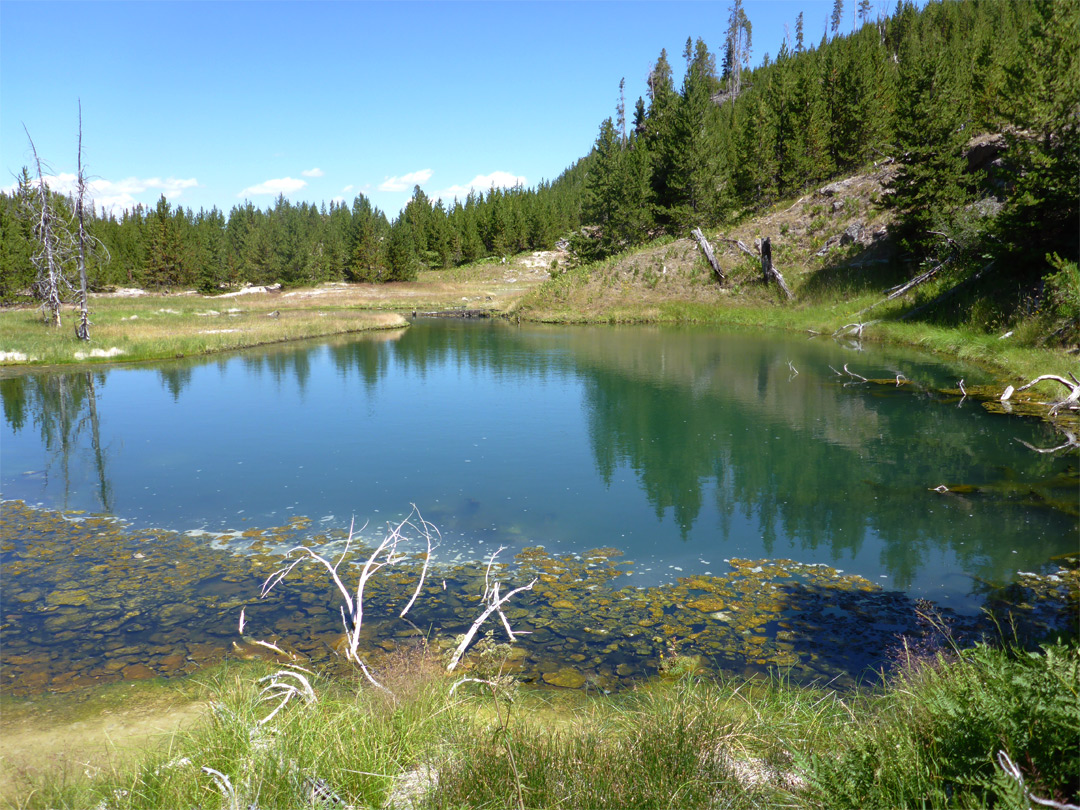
(931, 739)
(928, 738)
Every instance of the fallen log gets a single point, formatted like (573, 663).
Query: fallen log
(706, 248)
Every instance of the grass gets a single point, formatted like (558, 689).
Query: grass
(928, 738)
(153, 328)
(162, 327)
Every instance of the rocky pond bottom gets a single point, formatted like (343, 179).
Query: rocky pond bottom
(88, 599)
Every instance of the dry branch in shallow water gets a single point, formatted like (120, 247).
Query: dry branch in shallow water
(386, 554)
(494, 603)
(1071, 401)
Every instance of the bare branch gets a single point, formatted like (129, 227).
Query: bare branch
(1070, 401)
(853, 374)
(494, 604)
(425, 530)
(706, 248)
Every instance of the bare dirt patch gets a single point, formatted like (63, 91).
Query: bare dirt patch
(56, 734)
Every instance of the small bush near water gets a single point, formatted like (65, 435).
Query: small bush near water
(929, 738)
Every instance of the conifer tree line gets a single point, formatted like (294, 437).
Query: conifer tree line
(915, 87)
(172, 247)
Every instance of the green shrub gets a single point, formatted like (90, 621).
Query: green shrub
(1062, 289)
(932, 738)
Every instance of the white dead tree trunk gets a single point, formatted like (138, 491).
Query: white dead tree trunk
(49, 259)
(82, 328)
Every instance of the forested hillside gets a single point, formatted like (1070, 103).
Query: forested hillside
(975, 103)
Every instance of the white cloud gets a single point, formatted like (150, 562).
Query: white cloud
(348, 188)
(316, 172)
(406, 181)
(115, 196)
(482, 182)
(283, 185)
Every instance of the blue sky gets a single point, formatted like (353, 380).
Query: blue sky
(212, 103)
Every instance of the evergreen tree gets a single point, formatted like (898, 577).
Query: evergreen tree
(930, 182)
(618, 191)
(16, 237)
(806, 153)
(363, 262)
(1043, 105)
(163, 255)
(737, 41)
(695, 154)
(864, 11)
(402, 259)
(756, 145)
(836, 17)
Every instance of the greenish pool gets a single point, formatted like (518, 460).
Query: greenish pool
(679, 449)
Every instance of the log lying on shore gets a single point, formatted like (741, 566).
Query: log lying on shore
(706, 248)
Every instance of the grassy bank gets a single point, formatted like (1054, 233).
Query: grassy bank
(833, 248)
(597, 295)
(165, 326)
(930, 737)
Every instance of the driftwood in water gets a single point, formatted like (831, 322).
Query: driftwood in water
(768, 269)
(706, 248)
(1070, 402)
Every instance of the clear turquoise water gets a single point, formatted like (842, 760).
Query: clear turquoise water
(680, 447)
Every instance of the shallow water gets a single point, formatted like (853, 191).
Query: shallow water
(680, 449)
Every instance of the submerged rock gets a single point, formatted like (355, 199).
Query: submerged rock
(566, 677)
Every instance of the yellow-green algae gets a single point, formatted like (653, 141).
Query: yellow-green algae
(89, 599)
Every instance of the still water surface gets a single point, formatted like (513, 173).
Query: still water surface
(679, 447)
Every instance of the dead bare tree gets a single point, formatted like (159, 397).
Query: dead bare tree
(58, 246)
(52, 244)
(82, 328)
(768, 269)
